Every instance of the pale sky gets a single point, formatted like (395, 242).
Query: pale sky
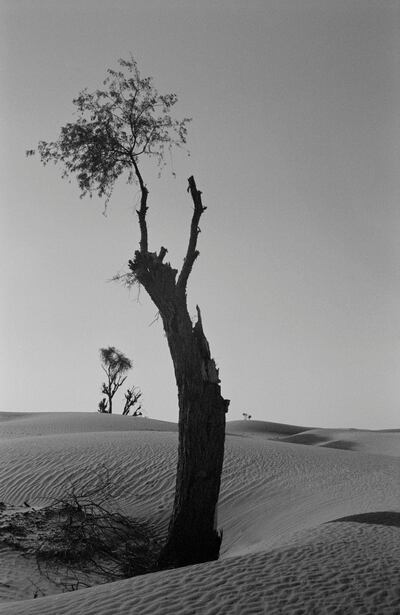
(295, 145)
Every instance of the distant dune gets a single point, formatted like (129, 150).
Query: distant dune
(268, 429)
(376, 442)
(281, 551)
(380, 442)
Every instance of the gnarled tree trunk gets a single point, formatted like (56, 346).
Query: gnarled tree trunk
(193, 535)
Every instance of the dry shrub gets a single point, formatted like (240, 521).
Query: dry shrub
(80, 540)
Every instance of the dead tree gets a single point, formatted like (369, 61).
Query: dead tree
(102, 406)
(114, 128)
(193, 535)
(132, 397)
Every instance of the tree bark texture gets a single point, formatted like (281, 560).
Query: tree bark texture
(193, 536)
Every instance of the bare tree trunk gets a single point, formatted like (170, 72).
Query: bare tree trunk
(193, 536)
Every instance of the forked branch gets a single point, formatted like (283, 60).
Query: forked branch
(143, 209)
(192, 253)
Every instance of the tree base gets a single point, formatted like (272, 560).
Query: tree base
(179, 552)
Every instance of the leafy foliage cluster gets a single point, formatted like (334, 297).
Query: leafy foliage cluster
(114, 361)
(114, 126)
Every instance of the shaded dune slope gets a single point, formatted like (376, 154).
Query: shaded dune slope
(383, 517)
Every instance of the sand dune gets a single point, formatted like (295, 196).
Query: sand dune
(321, 571)
(374, 442)
(265, 428)
(280, 553)
(377, 442)
(48, 423)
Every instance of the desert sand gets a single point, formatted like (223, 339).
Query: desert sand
(294, 504)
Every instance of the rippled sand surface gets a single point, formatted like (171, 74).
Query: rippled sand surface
(283, 487)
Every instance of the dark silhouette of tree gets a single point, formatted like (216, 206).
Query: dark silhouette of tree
(132, 401)
(102, 406)
(114, 129)
(115, 365)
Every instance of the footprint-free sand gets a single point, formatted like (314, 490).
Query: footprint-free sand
(295, 508)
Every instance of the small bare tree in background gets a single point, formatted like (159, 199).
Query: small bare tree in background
(115, 365)
(132, 402)
(102, 406)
